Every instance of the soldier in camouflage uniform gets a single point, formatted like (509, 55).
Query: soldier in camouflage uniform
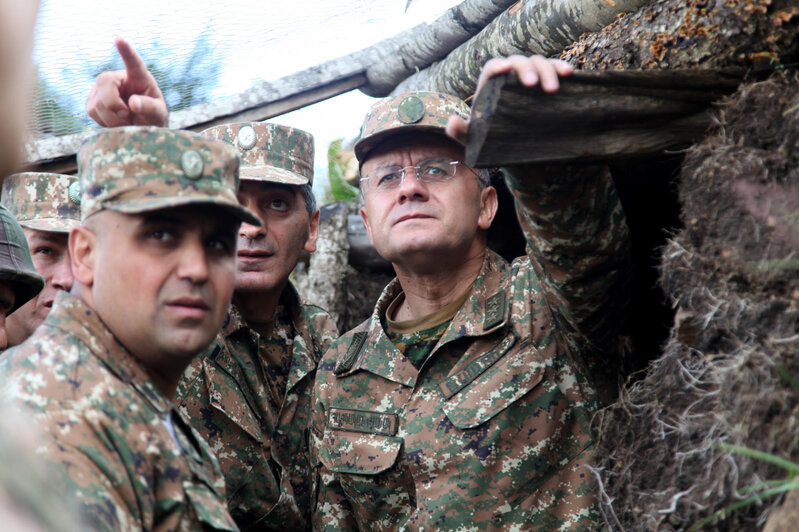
(463, 402)
(249, 394)
(47, 208)
(154, 266)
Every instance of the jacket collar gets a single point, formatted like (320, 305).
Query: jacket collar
(484, 311)
(75, 318)
(290, 309)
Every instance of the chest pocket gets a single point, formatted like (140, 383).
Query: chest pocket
(358, 442)
(228, 393)
(492, 383)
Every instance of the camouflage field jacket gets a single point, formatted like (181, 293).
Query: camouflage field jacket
(106, 425)
(493, 433)
(261, 440)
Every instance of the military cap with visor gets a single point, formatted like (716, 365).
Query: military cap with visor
(16, 266)
(410, 111)
(138, 169)
(269, 152)
(43, 201)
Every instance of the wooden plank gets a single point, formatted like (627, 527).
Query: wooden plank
(594, 116)
(287, 104)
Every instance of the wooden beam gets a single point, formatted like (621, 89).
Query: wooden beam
(543, 27)
(594, 116)
(287, 104)
(285, 100)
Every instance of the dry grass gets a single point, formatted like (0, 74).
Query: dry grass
(731, 273)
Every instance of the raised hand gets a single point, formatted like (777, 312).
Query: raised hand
(531, 71)
(127, 97)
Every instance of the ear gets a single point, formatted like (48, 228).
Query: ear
(365, 219)
(82, 251)
(313, 233)
(488, 207)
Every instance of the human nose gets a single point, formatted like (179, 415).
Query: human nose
(252, 232)
(193, 263)
(62, 277)
(411, 188)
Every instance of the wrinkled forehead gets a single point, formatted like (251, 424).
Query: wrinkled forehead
(411, 148)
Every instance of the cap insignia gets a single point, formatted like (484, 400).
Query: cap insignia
(74, 192)
(246, 138)
(410, 110)
(191, 162)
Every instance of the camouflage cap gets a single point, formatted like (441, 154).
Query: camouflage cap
(410, 111)
(137, 169)
(269, 152)
(42, 201)
(16, 265)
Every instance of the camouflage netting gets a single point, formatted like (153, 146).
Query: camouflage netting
(732, 275)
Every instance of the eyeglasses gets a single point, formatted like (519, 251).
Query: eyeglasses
(429, 171)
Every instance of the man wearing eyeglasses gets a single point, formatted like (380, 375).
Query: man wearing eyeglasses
(463, 402)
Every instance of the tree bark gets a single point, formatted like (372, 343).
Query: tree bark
(324, 283)
(529, 27)
(418, 48)
(693, 34)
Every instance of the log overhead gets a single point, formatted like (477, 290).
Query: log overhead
(543, 27)
(594, 116)
(407, 53)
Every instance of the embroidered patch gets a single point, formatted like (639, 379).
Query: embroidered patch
(345, 364)
(457, 382)
(362, 421)
(495, 310)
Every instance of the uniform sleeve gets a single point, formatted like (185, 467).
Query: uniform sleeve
(578, 243)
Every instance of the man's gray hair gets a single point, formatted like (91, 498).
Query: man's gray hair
(483, 177)
(310, 199)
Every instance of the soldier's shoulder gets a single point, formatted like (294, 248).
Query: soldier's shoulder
(322, 327)
(46, 365)
(339, 347)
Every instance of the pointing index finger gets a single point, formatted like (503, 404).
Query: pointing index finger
(133, 62)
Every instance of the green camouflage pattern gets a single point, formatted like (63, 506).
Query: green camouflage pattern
(493, 432)
(16, 265)
(26, 491)
(42, 201)
(269, 152)
(410, 111)
(256, 426)
(416, 346)
(104, 420)
(137, 169)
